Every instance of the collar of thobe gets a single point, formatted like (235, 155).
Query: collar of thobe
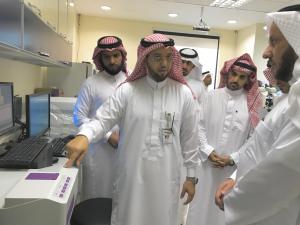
(188, 77)
(111, 77)
(234, 93)
(195, 74)
(154, 84)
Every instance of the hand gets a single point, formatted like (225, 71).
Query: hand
(76, 150)
(189, 188)
(222, 190)
(216, 160)
(226, 160)
(113, 139)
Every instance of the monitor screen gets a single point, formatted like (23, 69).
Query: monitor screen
(6, 106)
(37, 114)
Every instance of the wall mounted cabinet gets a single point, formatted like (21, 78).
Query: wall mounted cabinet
(10, 23)
(25, 32)
(63, 18)
(71, 24)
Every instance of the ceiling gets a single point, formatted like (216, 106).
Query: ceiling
(188, 11)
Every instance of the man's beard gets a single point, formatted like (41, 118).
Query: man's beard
(233, 86)
(285, 72)
(184, 72)
(111, 71)
(155, 75)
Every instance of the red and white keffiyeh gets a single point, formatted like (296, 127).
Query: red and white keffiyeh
(155, 41)
(269, 76)
(245, 64)
(109, 43)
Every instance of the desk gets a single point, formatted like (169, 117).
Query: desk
(38, 196)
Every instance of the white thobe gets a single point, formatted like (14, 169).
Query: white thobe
(197, 86)
(199, 91)
(205, 88)
(147, 179)
(268, 187)
(97, 179)
(259, 144)
(225, 118)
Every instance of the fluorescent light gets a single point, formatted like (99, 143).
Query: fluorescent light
(232, 21)
(71, 4)
(228, 3)
(105, 8)
(173, 15)
(265, 27)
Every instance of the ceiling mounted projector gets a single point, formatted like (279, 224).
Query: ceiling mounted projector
(201, 26)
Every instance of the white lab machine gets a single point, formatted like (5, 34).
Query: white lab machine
(39, 196)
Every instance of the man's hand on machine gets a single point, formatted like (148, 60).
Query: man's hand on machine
(77, 148)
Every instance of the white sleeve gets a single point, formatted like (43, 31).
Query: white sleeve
(235, 157)
(205, 149)
(188, 137)
(108, 115)
(233, 175)
(246, 151)
(270, 186)
(82, 106)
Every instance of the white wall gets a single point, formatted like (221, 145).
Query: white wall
(246, 41)
(26, 77)
(261, 42)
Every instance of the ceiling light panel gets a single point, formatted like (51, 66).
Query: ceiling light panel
(232, 21)
(106, 8)
(173, 15)
(228, 3)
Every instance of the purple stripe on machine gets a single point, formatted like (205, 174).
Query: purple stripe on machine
(42, 176)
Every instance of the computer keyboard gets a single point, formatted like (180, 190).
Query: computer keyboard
(31, 153)
(58, 145)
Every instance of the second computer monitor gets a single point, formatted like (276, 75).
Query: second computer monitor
(37, 114)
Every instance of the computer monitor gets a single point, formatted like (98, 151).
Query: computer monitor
(37, 114)
(6, 107)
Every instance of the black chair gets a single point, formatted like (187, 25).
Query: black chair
(94, 211)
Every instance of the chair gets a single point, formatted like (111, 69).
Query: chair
(95, 211)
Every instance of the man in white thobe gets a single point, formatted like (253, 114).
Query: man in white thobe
(110, 59)
(227, 115)
(156, 114)
(192, 71)
(206, 78)
(268, 177)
